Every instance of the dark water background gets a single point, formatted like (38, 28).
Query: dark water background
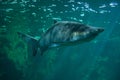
(95, 60)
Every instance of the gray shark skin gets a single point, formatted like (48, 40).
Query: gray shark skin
(62, 33)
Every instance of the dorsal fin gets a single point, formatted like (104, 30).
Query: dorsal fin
(55, 21)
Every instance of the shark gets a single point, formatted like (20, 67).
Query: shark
(61, 33)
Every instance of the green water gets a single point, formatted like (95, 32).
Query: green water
(95, 60)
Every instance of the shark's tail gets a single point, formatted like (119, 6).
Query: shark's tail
(31, 42)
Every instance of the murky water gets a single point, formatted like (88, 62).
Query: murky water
(95, 60)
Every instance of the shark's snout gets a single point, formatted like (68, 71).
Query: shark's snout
(96, 30)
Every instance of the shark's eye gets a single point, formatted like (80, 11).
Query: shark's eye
(100, 30)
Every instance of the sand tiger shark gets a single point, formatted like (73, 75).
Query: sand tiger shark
(61, 33)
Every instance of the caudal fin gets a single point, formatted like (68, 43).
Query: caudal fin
(31, 42)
